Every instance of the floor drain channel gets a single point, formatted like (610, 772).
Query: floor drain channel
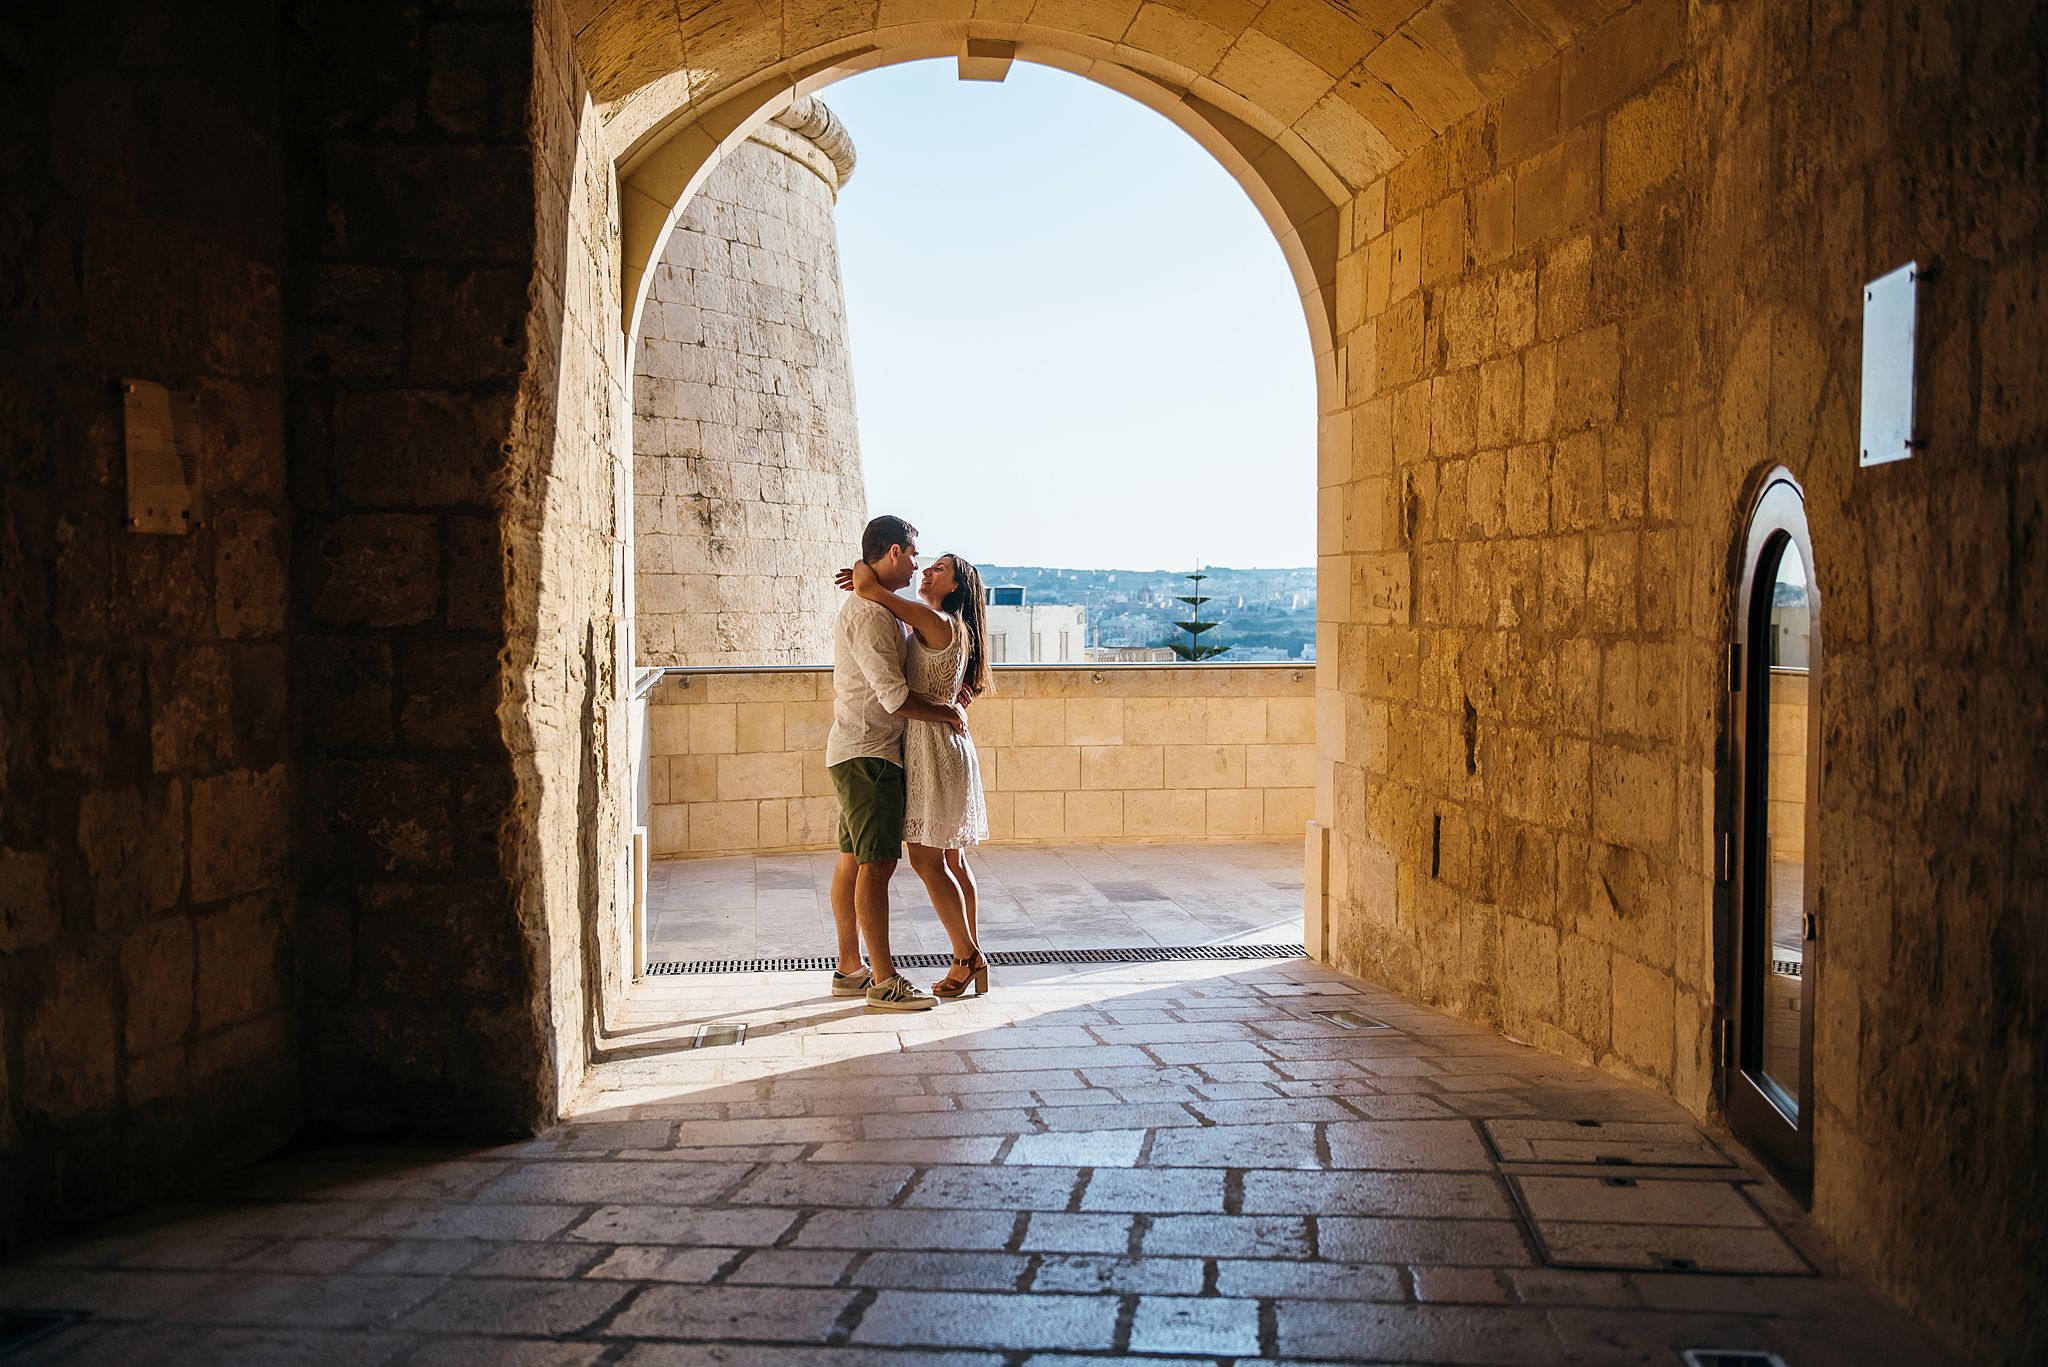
(1352, 1020)
(20, 1328)
(721, 1033)
(1730, 1357)
(1002, 958)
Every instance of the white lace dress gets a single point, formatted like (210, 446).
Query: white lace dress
(944, 806)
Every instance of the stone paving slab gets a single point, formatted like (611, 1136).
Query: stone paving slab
(1079, 1167)
(1032, 897)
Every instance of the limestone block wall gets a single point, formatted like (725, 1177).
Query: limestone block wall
(571, 871)
(453, 454)
(1512, 689)
(1576, 328)
(148, 1032)
(1121, 752)
(747, 487)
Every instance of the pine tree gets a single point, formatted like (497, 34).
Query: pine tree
(1193, 649)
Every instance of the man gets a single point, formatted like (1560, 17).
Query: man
(864, 756)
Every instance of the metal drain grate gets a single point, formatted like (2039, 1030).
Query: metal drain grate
(1009, 958)
(721, 1033)
(1352, 1020)
(20, 1328)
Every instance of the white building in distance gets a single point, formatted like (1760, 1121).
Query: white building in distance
(1034, 633)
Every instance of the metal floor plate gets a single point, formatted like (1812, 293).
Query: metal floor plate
(1620, 1143)
(1644, 1224)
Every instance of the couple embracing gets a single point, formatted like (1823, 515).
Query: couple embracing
(902, 766)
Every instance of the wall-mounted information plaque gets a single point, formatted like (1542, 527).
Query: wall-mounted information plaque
(1889, 327)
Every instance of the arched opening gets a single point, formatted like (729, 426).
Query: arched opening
(1294, 188)
(1769, 947)
(1331, 122)
(1265, 797)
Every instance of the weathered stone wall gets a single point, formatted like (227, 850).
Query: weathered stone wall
(1123, 752)
(421, 285)
(1828, 149)
(1577, 328)
(147, 1029)
(747, 489)
(376, 247)
(1513, 659)
(568, 569)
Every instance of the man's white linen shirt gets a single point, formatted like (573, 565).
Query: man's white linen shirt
(867, 684)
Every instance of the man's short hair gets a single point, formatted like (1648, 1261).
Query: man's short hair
(882, 533)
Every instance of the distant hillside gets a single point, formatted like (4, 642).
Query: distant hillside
(1264, 613)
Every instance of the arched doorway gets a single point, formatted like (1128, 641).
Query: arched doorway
(1769, 944)
(1301, 200)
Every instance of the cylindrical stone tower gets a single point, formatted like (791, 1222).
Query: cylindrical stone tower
(747, 487)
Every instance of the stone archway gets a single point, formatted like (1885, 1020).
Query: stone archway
(1308, 107)
(1301, 197)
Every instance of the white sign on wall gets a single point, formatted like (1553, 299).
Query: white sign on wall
(1889, 317)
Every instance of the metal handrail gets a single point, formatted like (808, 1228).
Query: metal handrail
(1298, 665)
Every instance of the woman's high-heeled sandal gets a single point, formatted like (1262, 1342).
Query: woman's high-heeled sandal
(948, 989)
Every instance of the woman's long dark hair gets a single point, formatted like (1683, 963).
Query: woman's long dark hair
(969, 603)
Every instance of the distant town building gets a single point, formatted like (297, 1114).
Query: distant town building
(1129, 655)
(1034, 633)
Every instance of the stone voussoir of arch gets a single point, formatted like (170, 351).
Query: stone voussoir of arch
(1361, 82)
(1305, 107)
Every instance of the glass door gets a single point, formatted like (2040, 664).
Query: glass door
(1770, 950)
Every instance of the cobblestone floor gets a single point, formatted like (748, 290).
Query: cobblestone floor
(1032, 897)
(1170, 1162)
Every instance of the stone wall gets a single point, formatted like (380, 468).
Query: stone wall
(1829, 149)
(1120, 752)
(430, 260)
(147, 1029)
(747, 479)
(1577, 328)
(572, 870)
(1789, 710)
(1514, 649)
(376, 247)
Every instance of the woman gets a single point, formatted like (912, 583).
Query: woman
(945, 812)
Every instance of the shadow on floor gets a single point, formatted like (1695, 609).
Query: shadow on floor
(1184, 1160)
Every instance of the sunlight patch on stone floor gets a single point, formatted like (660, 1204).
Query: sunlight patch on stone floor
(1081, 896)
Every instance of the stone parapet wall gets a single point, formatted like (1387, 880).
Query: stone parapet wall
(1790, 694)
(747, 488)
(1118, 752)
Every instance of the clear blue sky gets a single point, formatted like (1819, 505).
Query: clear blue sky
(1075, 341)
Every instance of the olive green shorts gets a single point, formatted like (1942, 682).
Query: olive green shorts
(871, 796)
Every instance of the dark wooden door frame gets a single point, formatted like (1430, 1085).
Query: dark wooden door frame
(1775, 523)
